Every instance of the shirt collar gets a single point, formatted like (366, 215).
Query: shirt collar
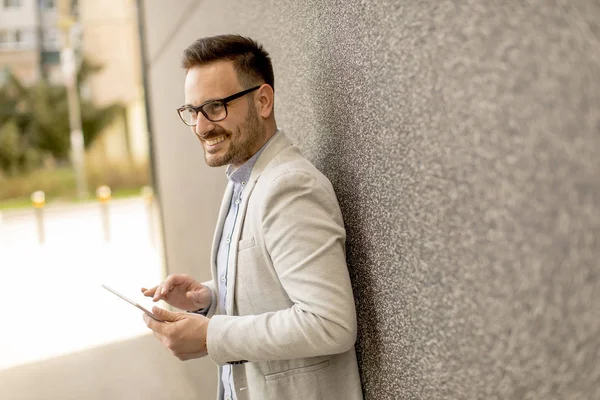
(242, 174)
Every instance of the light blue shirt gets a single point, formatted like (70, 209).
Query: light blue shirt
(239, 177)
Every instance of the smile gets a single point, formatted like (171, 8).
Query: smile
(212, 142)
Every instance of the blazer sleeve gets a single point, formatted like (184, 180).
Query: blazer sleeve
(305, 238)
(212, 308)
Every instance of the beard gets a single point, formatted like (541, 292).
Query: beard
(241, 146)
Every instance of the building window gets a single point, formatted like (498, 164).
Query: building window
(10, 39)
(11, 3)
(51, 39)
(5, 37)
(16, 39)
(7, 40)
(47, 5)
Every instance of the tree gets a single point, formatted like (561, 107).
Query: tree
(10, 146)
(34, 121)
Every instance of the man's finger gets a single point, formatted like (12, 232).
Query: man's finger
(165, 287)
(153, 324)
(157, 292)
(166, 315)
(172, 281)
(148, 292)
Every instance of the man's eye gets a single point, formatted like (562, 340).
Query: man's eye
(213, 107)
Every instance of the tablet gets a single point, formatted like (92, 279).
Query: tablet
(132, 303)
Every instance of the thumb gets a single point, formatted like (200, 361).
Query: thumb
(166, 315)
(195, 297)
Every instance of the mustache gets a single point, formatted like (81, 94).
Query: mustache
(218, 131)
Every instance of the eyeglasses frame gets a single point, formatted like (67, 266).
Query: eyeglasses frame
(223, 101)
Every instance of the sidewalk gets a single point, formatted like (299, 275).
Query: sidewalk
(134, 369)
(62, 335)
(55, 289)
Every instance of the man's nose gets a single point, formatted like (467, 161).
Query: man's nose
(203, 125)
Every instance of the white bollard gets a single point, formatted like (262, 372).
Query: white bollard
(148, 196)
(38, 199)
(103, 194)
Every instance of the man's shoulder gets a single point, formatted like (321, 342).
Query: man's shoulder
(291, 161)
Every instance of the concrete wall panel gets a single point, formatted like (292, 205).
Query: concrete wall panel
(462, 140)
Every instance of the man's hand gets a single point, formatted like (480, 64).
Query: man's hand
(182, 333)
(181, 291)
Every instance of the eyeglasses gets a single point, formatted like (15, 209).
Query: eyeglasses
(213, 110)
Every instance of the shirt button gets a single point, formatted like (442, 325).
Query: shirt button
(228, 240)
(223, 279)
(237, 202)
(243, 183)
(227, 398)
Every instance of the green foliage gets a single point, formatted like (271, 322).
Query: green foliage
(59, 183)
(10, 145)
(34, 121)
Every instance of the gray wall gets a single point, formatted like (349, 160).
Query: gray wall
(463, 141)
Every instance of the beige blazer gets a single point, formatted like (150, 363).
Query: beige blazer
(290, 309)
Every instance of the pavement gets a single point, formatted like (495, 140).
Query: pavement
(62, 335)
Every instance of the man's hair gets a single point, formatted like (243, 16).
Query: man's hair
(250, 60)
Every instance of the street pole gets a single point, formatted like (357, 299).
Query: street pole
(69, 69)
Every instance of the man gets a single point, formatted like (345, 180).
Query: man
(278, 316)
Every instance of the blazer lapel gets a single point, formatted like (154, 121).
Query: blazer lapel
(279, 142)
(233, 249)
(275, 146)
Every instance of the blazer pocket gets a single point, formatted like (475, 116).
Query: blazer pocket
(296, 371)
(246, 243)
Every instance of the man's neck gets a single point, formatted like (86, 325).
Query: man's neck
(248, 164)
(271, 129)
(261, 148)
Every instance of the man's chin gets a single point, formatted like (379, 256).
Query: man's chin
(213, 160)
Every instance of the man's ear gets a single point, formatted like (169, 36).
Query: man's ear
(266, 98)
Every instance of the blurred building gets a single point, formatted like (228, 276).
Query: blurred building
(110, 38)
(105, 33)
(29, 39)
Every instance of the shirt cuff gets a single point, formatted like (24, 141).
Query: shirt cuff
(202, 311)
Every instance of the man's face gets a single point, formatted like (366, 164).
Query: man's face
(236, 138)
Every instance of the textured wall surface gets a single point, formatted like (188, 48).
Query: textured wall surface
(463, 140)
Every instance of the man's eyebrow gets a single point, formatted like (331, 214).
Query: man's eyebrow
(201, 104)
